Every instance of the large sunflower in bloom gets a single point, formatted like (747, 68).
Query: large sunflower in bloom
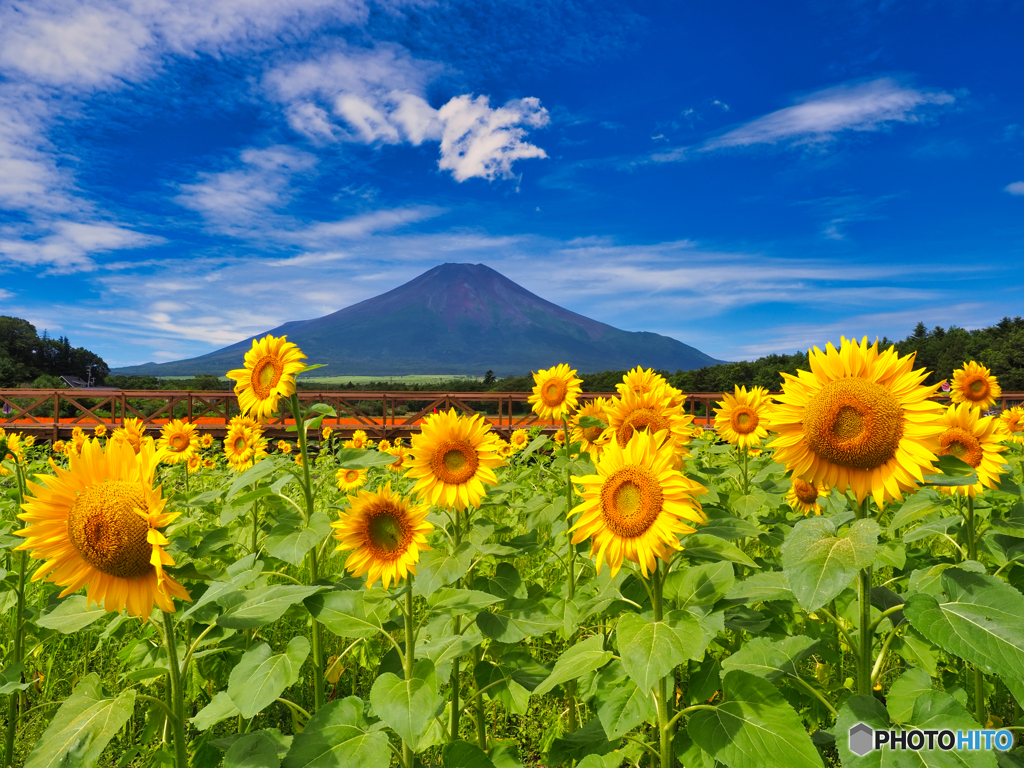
(131, 432)
(96, 524)
(179, 441)
(268, 375)
(975, 385)
(590, 438)
(636, 505)
(351, 479)
(803, 496)
(520, 439)
(1013, 420)
(452, 457)
(741, 418)
(556, 392)
(649, 412)
(859, 419)
(385, 533)
(976, 440)
(244, 445)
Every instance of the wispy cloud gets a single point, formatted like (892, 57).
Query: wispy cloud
(1016, 188)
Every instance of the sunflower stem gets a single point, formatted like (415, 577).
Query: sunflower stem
(410, 660)
(13, 708)
(453, 728)
(314, 574)
(177, 694)
(865, 633)
(666, 722)
(570, 687)
(979, 678)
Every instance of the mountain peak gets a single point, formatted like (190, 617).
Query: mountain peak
(460, 319)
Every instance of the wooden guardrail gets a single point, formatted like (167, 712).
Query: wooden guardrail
(54, 413)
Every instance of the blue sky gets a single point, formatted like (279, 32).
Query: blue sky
(746, 177)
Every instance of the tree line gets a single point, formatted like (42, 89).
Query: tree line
(28, 358)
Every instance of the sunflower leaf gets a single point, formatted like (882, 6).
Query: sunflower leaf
(71, 615)
(819, 564)
(261, 677)
(579, 659)
(339, 735)
(407, 706)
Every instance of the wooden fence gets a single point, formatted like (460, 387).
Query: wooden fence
(54, 413)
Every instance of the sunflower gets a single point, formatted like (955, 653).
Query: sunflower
(179, 441)
(194, 463)
(976, 440)
(325, 433)
(268, 375)
(519, 439)
(1013, 420)
(244, 446)
(452, 457)
(358, 439)
(14, 450)
(131, 432)
(400, 452)
(97, 524)
(298, 459)
(636, 505)
(556, 392)
(100, 431)
(640, 380)
(385, 533)
(741, 417)
(559, 436)
(649, 412)
(503, 448)
(209, 464)
(384, 446)
(975, 385)
(803, 496)
(284, 446)
(58, 447)
(860, 419)
(351, 479)
(591, 438)
(206, 441)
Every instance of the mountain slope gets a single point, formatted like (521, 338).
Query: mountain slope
(455, 318)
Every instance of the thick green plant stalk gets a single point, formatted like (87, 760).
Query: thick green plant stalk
(410, 660)
(866, 633)
(18, 652)
(314, 571)
(177, 702)
(454, 724)
(979, 677)
(666, 723)
(570, 686)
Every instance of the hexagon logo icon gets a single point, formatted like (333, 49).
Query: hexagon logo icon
(862, 739)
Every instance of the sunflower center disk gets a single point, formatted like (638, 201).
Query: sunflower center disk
(104, 528)
(641, 418)
(806, 492)
(265, 375)
(958, 442)
(744, 420)
(592, 433)
(631, 501)
(553, 393)
(179, 442)
(854, 423)
(240, 444)
(387, 534)
(351, 475)
(978, 387)
(455, 462)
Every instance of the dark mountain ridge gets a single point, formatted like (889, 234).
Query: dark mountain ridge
(458, 319)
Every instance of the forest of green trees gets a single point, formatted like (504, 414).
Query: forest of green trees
(28, 358)
(25, 356)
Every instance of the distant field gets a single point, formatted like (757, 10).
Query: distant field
(424, 378)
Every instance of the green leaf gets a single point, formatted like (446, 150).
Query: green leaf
(497, 678)
(921, 504)
(771, 659)
(505, 583)
(253, 750)
(338, 736)
(761, 588)
(258, 471)
(462, 754)
(700, 584)
(819, 564)
(10, 679)
(892, 553)
(439, 568)
(407, 706)
(220, 708)
(753, 723)
(651, 649)
(954, 472)
(708, 547)
(932, 528)
(217, 589)
(621, 706)
(588, 740)
(730, 528)
(348, 612)
(71, 615)
(588, 422)
(579, 659)
(291, 545)
(357, 458)
(536, 443)
(904, 692)
(981, 621)
(82, 727)
(260, 677)
(460, 601)
(264, 605)
(518, 620)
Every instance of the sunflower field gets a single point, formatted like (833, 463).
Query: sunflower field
(632, 590)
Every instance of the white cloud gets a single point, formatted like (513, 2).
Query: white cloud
(818, 117)
(484, 142)
(1016, 188)
(67, 245)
